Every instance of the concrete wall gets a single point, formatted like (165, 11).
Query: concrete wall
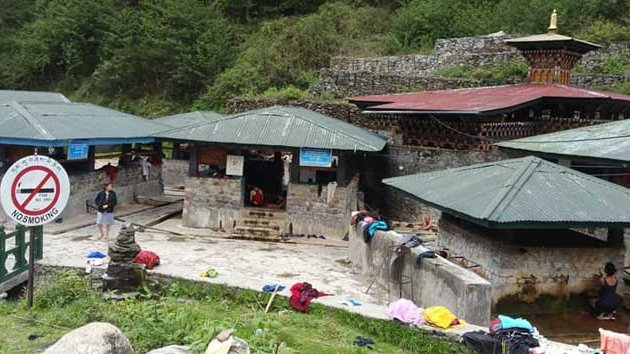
(212, 202)
(174, 172)
(128, 184)
(436, 282)
(523, 266)
(309, 213)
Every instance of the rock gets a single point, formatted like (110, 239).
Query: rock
(125, 248)
(239, 346)
(171, 349)
(93, 338)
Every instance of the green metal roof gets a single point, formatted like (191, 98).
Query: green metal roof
(281, 127)
(31, 96)
(609, 141)
(55, 124)
(521, 193)
(188, 119)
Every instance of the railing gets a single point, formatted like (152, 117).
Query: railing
(13, 258)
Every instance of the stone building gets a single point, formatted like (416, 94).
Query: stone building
(532, 228)
(276, 170)
(49, 124)
(430, 130)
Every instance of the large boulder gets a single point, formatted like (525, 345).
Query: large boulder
(171, 349)
(93, 338)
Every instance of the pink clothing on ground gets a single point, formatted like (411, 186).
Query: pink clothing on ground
(613, 342)
(407, 312)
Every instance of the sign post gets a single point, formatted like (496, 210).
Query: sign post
(33, 192)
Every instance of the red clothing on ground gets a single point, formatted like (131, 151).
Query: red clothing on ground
(148, 258)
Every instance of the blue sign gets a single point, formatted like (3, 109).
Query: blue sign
(78, 151)
(315, 157)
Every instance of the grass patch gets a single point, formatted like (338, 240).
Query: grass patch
(188, 313)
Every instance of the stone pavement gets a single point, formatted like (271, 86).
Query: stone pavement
(244, 264)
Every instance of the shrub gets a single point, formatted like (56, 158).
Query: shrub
(491, 74)
(605, 32)
(614, 64)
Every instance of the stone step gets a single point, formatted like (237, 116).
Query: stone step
(257, 230)
(276, 224)
(256, 213)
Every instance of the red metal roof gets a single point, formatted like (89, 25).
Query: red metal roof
(480, 100)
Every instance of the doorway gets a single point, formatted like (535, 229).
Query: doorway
(265, 171)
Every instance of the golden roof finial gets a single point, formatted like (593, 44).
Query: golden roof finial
(553, 23)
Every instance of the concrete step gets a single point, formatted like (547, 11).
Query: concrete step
(276, 224)
(257, 233)
(261, 213)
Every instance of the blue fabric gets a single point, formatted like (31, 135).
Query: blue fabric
(377, 225)
(96, 254)
(269, 288)
(512, 323)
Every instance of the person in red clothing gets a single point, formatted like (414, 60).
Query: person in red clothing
(110, 171)
(256, 196)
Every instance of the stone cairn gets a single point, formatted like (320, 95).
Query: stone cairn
(122, 274)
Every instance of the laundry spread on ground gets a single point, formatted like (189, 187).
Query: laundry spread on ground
(148, 258)
(302, 294)
(406, 311)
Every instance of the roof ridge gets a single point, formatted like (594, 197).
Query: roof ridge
(512, 186)
(31, 119)
(332, 130)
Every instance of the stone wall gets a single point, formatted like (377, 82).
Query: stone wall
(310, 213)
(129, 184)
(212, 202)
(406, 160)
(347, 77)
(436, 282)
(523, 268)
(174, 172)
(340, 110)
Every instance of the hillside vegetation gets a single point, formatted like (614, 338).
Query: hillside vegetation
(156, 57)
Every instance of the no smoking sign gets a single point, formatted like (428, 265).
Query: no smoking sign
(35, 190)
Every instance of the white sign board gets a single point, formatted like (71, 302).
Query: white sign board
(34, 190)
(234, 165)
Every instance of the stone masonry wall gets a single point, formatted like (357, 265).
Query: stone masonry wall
(174, 172)
(406, 160)
(128, 185)
(309, 213)
(347, 77)
(525, 273)
(212, 202)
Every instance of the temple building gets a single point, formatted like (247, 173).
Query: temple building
(274, 171)
(438, 129)
(472, 118)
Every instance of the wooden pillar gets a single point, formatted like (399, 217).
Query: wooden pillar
(177, 151)
(295, 167)
(91, 158)
(192, 162)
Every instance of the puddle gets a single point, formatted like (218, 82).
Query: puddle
(210, 242)
(288, 275)
(176, 239)
(80, 238)
(269, 249)
(199, 249)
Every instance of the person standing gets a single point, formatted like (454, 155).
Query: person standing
(105, 201)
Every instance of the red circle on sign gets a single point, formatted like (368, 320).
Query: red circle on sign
(22, 208)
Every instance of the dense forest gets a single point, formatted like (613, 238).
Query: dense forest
(156, 57)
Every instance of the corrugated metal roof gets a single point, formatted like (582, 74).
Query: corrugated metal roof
(54, 124)
(610, 141)
(521, 193)
(187, 119)
(481, 100)
(282, 127)
(32, 96)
